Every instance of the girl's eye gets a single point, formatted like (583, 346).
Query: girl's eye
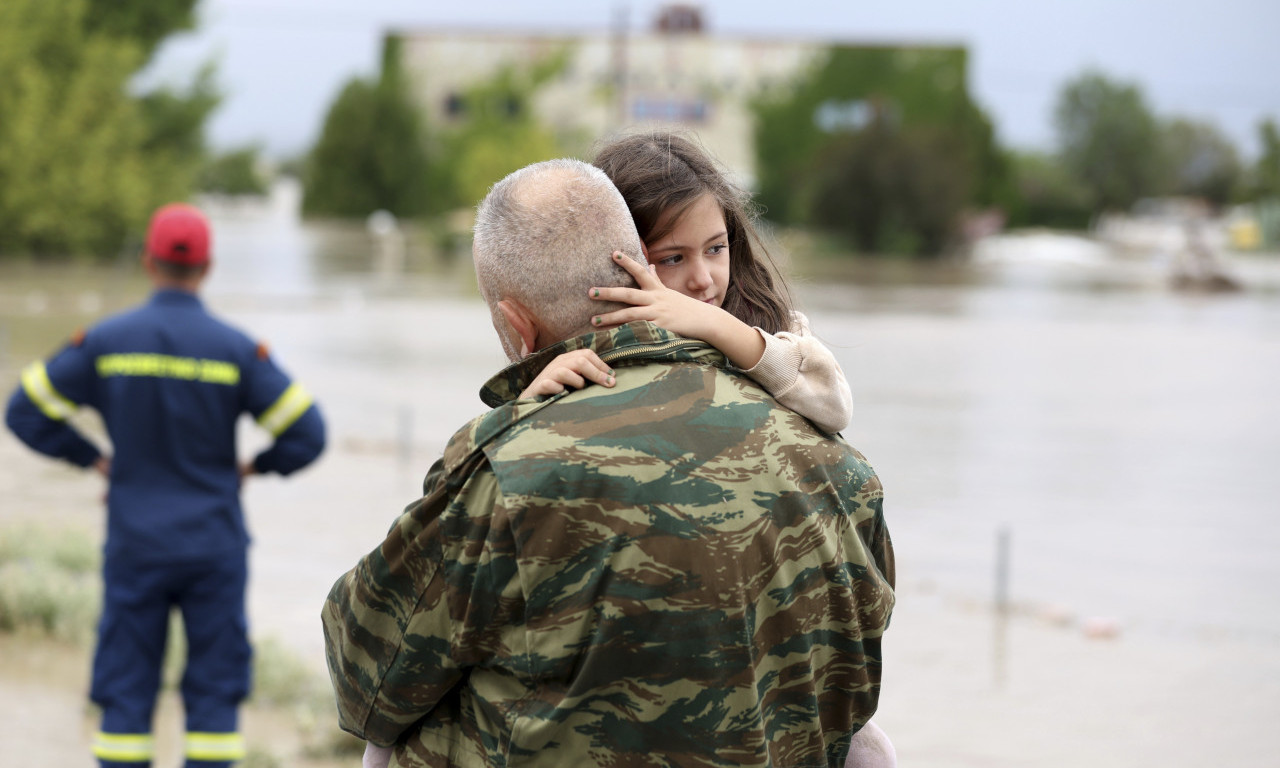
(718, 249)
(670, 261)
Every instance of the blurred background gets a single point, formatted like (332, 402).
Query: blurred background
(1043, 242)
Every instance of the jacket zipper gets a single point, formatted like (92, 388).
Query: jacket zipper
(631, 351)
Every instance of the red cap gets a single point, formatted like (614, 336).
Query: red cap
(179, 233)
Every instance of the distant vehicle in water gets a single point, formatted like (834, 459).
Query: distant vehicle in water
(1186, 230)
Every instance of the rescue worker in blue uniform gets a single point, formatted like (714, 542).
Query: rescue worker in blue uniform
(170, 382)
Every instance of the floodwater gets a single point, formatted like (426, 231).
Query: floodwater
(1123, 436)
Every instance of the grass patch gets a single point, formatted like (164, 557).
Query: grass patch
(49, 583)
(283, 680)
(333, 742)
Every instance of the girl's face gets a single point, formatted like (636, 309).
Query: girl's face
(693, 258)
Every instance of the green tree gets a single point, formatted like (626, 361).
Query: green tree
(71, 178)
(82, 161)
(371, 154)
(1045, 194)
(1109, 139)
(341, 176)
(147, 24)
(1266, 173)
(911, 103)
(175, 121)
(1200, 161)
(1265, 183)
(891, 189)
(234, 173)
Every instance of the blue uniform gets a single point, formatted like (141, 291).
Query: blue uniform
(170, 381)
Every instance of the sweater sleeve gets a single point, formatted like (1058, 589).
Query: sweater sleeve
(803, 375)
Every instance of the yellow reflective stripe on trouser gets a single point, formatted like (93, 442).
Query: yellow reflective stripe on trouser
(51, 402)
(215, 746)
(123, 747)
(286, 409)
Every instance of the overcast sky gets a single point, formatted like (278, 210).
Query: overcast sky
(281, 62)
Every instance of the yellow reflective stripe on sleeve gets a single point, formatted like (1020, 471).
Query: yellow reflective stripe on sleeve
(123, 747)
(215, 746)
(51, 402)
(169, 367)
(286, 409)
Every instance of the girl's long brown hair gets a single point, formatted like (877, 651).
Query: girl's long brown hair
(659, 172)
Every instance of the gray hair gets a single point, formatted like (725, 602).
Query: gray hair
(543, 236)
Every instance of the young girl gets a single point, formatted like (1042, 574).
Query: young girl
(709, 278)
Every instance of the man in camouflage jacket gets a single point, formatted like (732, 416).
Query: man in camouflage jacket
(675, 571)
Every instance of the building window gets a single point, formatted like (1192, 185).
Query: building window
(670, 110)
(833, 116)
(455, 105)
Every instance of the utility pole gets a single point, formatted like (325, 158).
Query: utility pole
(620, 70)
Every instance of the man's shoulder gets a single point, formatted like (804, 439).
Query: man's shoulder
(114, 328)
(486, 428)
(232, 333)
(151, 329)
(671, 408)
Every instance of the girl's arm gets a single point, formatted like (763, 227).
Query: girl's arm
(794, 367)
(375, 756)
(802, 374)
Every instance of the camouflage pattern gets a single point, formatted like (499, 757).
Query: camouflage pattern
(675, 571)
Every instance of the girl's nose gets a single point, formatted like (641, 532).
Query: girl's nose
(699, 275)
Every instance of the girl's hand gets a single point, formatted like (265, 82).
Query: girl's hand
(680, 314)
(571, 370)
(658, 304)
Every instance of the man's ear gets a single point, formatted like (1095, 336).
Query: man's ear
(523, 322)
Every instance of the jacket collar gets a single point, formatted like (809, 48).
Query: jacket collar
(627, 344)
(172, 296)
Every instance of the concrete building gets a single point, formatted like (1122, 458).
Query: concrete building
(672, 75)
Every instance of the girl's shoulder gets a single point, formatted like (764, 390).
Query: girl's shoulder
(799, 324)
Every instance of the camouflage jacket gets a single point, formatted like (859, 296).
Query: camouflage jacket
(675, 571)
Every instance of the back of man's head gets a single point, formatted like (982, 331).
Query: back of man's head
(543, 236)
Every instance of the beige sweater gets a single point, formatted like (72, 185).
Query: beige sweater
(804, 376)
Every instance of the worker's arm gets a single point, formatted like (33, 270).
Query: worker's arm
(286, 410)
(299, 444)
(46, 397)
